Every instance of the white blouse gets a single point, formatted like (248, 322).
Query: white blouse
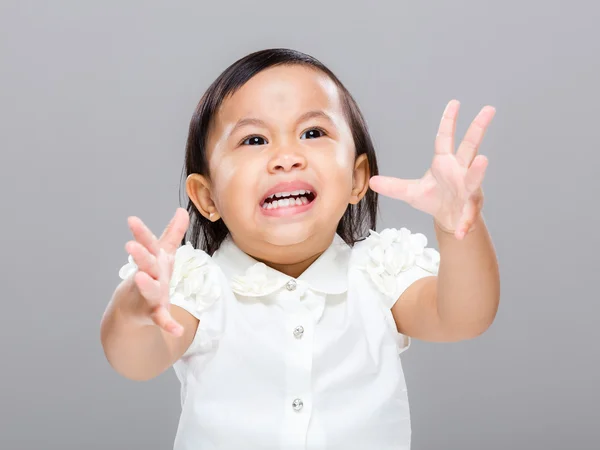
(305, 363)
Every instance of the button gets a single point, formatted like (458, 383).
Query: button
(290, 285)
(297, 404)
(298, 331)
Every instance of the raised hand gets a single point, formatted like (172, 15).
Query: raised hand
(450, 190)
(155, 258)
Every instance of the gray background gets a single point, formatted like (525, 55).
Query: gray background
(95, 101)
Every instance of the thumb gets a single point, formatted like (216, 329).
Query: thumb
(397, 188)
(175, 230)
(162, 317)
(475, 173)
(160, 314)
(165, 270)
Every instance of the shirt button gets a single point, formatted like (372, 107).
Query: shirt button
(297, 404)
(298, 331)
(290, 285)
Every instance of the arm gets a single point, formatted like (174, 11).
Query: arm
(462, 301)
(141, 332)
(133, 344)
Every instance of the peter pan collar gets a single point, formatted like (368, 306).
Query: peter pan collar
(328, 274)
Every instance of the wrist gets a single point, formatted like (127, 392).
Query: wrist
(131, 306)
(440, 228)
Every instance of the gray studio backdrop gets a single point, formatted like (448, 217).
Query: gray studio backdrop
(95, 101)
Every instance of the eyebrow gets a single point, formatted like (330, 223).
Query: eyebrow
(316, 114)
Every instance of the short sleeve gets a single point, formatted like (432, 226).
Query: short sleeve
(406, 278)
(393, 260)
(196, 287)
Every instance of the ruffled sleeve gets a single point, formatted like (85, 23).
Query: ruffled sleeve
(397, 258)
(195, 286)
(393, 260)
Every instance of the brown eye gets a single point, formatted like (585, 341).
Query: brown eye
(254, 140)
(313, 133)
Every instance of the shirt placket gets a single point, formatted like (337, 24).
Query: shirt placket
(298, 401)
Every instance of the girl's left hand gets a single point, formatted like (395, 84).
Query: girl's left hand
(450, 190)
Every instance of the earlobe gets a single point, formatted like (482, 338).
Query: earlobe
(360, 179)
(198, 190)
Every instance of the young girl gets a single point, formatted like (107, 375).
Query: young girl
(282, 312)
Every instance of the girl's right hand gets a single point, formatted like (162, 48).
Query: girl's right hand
(155, 258)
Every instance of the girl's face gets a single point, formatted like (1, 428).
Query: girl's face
(282, 161)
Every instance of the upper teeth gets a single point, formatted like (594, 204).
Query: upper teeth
(288, 194)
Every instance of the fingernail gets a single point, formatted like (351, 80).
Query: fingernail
(173, 327)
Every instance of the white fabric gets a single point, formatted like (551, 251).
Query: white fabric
(245, 367)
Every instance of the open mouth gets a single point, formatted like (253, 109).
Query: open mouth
(281, 200)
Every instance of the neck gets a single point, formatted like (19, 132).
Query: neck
(293, 270)
(290, 260)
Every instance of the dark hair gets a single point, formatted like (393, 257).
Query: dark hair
(208, 235)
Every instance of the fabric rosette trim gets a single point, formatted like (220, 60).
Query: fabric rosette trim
(394, 251)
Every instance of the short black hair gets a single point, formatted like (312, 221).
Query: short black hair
(207, 235)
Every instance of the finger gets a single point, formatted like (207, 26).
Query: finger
(162, 317)
(145, 261)
(444, 140)
(475, 174)
(405, 190)
(469, 214)
(165, 270)
(143, 235)
(149, 288)
(175, 230)
(474, 136)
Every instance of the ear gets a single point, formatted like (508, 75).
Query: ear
(198, 190)
(360, 179)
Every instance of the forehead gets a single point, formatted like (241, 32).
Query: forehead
(281, 92)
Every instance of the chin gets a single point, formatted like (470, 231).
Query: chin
(289, 234)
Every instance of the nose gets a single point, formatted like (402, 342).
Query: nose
(286, 160)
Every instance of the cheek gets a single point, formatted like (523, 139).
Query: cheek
(233, 186)
(338, 170)
(344, 158)
(344, 165)
(224, 173)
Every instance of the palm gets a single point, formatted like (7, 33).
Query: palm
(450, 190)
(171, 237)
(442, 189)
(154, 259)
